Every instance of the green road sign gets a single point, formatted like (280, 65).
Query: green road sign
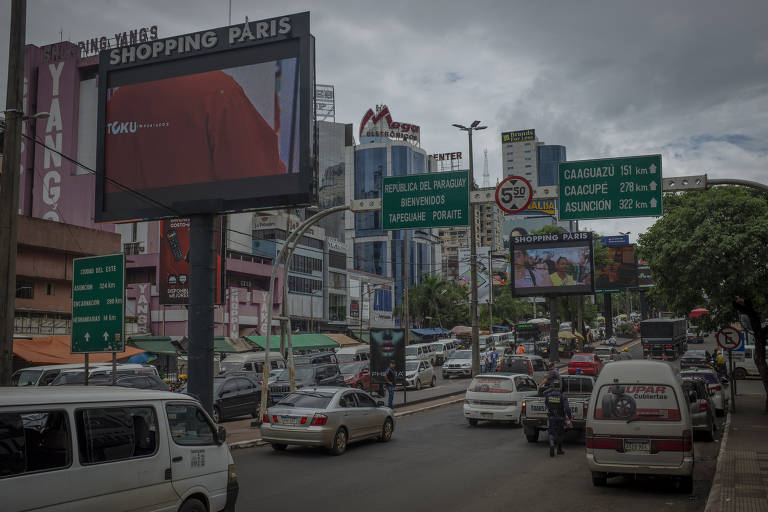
(432, 200)
(98, 297)
(610, 187)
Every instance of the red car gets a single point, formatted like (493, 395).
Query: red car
(589, 364)
(356, 374)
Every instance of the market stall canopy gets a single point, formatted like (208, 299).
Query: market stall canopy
(56, 350)
(298, 341)
(155, 345)
(566, 335)
(696, 313)
(461, 329)
(343, 340)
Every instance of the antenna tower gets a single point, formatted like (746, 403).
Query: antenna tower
(486, 175)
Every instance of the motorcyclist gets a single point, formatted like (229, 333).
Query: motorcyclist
(558, 410)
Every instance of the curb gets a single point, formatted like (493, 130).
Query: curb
(713, 500)
(433, 406)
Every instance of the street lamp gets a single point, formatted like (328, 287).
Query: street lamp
(473, 252)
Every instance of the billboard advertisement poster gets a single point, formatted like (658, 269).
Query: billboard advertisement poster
(553, 264)
(483, 275)
(387, 345)
(620, 271)
(174, 268)
(643, 275)
(215, 121)
(518, 136)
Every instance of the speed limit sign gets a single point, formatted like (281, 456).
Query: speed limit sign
(514, 194)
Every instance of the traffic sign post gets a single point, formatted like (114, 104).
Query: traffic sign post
(514, 194)
(610, 187)
(728, 338)
(98, 297)
(425, 200)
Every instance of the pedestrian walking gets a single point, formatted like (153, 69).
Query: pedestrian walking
(558, 412)
(389, 376)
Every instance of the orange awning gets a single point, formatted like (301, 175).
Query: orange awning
(55, 350)
(343, 340)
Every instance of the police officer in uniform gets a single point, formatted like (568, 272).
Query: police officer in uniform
(557, 411)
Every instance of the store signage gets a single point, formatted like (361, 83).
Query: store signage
(380, 124)
(137, 35)
(440, 157)
(518, 136)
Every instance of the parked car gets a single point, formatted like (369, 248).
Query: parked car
(695, 358)
(639, 422)
(419, 373)
(306, 376)
(131, 381)
(702, 408)
(607, 354)
(315, 358)
(460, 363)
(77, 376)
(326, 416)
(578, 389)
(235, 396)
(694, 336)
(357, 374)
(716, 387)
(108, 448)
(497, 397)
(585, 363)
(532, 365)
(45, 375)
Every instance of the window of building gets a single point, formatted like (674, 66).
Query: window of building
(34, 441)
(25, 289)
(107, 434)
(336, 280)
(337, 307)
(337, 260)
(371, 257)
(50, 289)
(401, 160)
(528, 165)
(303, 285)
(306, 264)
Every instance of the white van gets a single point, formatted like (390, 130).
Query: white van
(251, 362)
(744, 363)
(104, 448)
(353, 353)
(639, 422)
(444, 349)
(421, 351)
(496, 397)
(45, 375)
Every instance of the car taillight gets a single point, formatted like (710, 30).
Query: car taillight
(601, 443)
(703, 405)
(274, 419)
(667, 346)
(303, 420)
(584, 412)
(264, 418)
(682, 444)
(318, 420)
(522, 410)
(715, 387)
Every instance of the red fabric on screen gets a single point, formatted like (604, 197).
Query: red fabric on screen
(190, 129)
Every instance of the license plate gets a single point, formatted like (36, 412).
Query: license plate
(288, 420)
(637, 445)
(486, 414)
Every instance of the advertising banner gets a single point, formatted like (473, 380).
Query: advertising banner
(637, 402)
(620, 272)
(173, 279)
(643, 275)
(483, 274)
(555, 264)
(518, 136)
(214, 121)
(234, 312)
(144, 307)
(387, 345)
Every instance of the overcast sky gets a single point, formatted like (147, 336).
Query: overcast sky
(687, 79)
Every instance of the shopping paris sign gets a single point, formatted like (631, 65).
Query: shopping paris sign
(380, 124)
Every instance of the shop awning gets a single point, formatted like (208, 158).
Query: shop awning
(461, 329)
(435, 332)
(343, 340)
(298, 341)
(155, 344)
(55, 350)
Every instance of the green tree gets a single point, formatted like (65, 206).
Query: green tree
(709, 249)
(438, 303)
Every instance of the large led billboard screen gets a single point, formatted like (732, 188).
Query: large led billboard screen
(554, 264)
(211, 122)
(619, 272)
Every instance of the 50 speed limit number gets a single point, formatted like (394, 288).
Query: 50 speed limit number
(514, 194)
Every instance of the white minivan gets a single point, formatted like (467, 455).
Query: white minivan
(353, 353)
(639, 422)
(497, 397)
(421, 351)
(104, 448)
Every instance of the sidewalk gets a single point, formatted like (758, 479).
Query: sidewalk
(741, 479)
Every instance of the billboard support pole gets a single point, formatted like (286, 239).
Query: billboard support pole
(202, 288)
(405, 303)
(643, 306)
(608, 314)
(9, 186)
(554, 343)
(85, 369)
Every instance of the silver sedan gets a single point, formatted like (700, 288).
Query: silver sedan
(326, 416)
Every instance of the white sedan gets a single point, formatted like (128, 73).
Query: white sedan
(419, 373)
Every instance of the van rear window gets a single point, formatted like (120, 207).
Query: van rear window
(637, 402)
(492, 385)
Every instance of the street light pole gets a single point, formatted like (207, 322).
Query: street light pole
(473, 253)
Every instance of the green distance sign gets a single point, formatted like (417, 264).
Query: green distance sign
(610, 187)
(98, 297)
(426, 200)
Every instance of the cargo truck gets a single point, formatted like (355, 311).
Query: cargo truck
(663, 338)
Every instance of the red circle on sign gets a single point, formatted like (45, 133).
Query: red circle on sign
(726, 342)
(501, 185)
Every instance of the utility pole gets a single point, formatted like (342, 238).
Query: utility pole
(9, 185)
(490, 283)
(473, 253)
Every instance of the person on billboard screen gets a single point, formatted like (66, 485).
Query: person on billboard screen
(189, 129)
(561, 276)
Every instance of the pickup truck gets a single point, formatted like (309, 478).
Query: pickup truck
(578, 390)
